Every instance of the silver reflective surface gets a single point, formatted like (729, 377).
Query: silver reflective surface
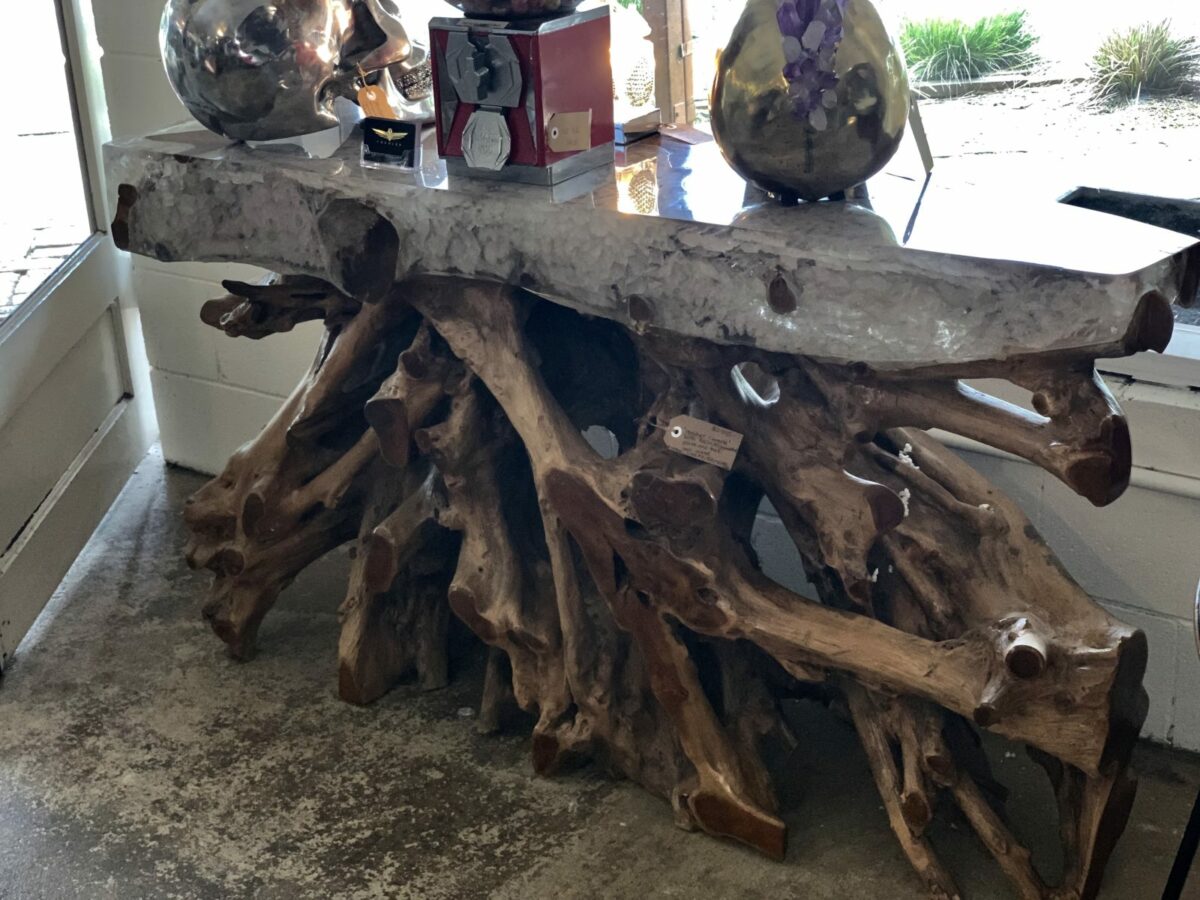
(953, 274)
(258, 71)
(1196, 619)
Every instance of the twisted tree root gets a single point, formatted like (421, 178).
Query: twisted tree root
(294, 492)
(620, 598)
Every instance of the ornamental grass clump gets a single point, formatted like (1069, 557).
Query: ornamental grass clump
(953, 50)
(1147, 60)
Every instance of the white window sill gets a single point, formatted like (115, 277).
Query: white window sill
(1179, 366)
(1160, 395)
(1150, 479)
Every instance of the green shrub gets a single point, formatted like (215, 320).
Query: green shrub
(1146, 60)
(636, 4)
(952, 50)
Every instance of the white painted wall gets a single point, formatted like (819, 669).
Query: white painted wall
(212, 393)
(1139, 557)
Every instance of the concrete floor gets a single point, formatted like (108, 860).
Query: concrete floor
(136, 761)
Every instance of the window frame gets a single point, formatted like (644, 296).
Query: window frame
(671, 34)
(1178, 366)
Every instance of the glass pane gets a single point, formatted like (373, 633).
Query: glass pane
(1110, 98)
(712, 22)
(45, 213)
(1043, 95)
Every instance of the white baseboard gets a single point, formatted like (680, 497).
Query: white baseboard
(33, 567)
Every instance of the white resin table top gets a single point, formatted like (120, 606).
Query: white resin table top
(916, 275)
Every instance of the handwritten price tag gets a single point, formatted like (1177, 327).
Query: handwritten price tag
(704, 441)
(568, 132)
(374, 102)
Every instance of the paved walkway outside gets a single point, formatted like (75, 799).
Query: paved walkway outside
(43, 226)
(43, 211)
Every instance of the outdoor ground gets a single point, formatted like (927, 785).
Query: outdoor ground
(44, 218)
(1039, 141)
(43, 212)
(1049, 139)
(1028, 137)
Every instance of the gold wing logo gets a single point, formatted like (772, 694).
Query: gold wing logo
(388, 135)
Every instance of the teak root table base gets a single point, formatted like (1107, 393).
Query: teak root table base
(621, 600)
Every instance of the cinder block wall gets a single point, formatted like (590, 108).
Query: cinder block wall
(211, 393)
(1138, 557)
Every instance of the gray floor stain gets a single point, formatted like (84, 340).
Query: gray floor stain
(137, 761)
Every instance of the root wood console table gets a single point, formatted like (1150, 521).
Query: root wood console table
(475, 330)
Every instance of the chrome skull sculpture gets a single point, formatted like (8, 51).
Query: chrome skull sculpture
(260, 70)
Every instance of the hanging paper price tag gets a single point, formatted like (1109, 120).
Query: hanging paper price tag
(704, 441)
(374, 101)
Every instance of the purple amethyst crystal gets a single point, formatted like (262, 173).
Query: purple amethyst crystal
(812, 32)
